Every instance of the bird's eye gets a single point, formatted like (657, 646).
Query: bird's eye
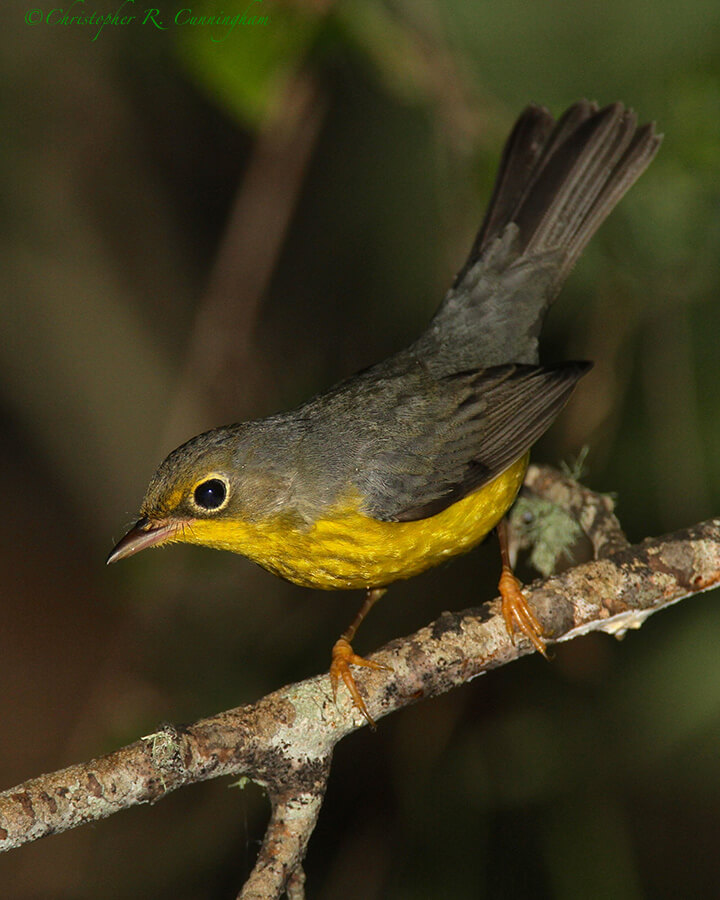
(210, 494)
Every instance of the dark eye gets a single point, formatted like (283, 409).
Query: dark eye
(210, 494)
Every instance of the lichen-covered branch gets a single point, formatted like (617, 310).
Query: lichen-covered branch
(285, 740)
(279, 864)
(594, 513)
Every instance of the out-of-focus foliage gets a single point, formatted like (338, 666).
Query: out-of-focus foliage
(127, 162)
(272, 52)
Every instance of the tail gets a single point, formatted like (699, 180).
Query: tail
(557, 183)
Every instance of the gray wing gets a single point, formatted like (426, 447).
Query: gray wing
(480, 424)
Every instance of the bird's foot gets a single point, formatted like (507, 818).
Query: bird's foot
(516, 612)
(343, 657)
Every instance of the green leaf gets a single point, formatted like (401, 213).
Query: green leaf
(246, 65)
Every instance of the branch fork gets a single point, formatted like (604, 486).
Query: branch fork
(285, 740)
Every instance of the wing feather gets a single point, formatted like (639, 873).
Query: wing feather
(491, 418)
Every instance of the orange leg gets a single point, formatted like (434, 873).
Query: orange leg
(516, 612)
(343, 656)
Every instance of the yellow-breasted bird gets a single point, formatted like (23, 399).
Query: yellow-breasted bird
(418, 458)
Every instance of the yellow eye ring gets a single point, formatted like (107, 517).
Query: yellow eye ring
(212, 494)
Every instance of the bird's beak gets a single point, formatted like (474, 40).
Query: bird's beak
(144, 533)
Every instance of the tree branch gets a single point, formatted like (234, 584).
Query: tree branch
(595, 513)
(285, 740)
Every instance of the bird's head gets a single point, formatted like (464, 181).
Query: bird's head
(195, 496)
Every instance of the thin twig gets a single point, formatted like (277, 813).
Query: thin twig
(221, 341)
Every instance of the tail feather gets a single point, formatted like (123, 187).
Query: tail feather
(557, 203)
(556, 184)
(633, 162)
(519, 161)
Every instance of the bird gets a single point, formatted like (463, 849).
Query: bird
(416, 459)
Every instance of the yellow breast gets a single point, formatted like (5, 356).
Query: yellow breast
(347, 549)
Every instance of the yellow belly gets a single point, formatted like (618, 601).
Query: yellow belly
(347, 549)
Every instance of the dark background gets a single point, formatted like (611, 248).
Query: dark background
(199, 230)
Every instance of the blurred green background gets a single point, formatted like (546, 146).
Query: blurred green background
(200, 227)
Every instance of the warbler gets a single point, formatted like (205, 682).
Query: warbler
(416, 459)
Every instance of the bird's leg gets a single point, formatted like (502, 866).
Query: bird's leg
(516, 612)
(343, 655)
